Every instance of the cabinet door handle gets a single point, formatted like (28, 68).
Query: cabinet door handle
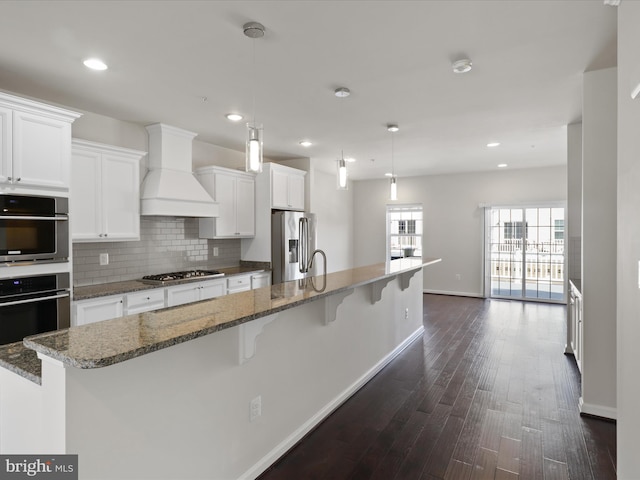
(18, 179)
(10, 178)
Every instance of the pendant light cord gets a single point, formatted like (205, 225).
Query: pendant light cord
(253, 80)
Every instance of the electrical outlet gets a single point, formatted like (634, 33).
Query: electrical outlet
(255, 408)
(215, 251)
(104, 259)
(406, 313)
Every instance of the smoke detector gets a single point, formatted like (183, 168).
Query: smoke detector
(253, 30)
(462, 66)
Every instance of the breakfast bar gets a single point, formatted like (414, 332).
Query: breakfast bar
(216, 389)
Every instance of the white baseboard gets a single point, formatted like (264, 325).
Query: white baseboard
(266, 461)
(597, 410)
(455, 294)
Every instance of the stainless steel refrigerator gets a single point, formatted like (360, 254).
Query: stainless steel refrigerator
(293, 241)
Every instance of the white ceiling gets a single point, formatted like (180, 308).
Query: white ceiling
(394, 56)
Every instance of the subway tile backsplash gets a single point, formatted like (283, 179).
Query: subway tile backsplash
(166, 244)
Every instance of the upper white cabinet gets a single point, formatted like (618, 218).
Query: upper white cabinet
(105, 193)
(287, 187)
(234, 191)
(35, 144)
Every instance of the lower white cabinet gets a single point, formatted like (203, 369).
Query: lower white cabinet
(238, 283)
(193, 292)
(114, 306)
(144, 301)
(98, 309)
(259, 280)
(576, 326)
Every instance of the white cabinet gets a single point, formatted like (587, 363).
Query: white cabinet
(238, 283)
(287, 187)
(235, 194)
(105, 193)
(144, 301)
(259, 280)
(193, 292)
(35, 144)
(98, 309)
(575, 324)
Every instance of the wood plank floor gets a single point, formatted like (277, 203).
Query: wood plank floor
(485, 394)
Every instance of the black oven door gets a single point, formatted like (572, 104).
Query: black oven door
(24, 315)
(33, 229)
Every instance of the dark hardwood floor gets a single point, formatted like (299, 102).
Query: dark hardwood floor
(486, 394)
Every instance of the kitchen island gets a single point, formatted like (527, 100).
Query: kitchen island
(218, 389)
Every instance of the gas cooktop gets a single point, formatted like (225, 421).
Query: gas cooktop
(163, 278)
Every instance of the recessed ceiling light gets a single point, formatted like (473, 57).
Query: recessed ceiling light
(305, 143)
(234, 117)
(462, 66)
(349, 159)
(392, 127)
(502, 165)
(388, 174)
(493, 144)
(342, 92)
(95, 64)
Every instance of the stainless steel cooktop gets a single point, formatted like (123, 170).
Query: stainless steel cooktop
(164, 278)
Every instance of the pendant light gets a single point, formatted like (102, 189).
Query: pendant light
(393, 181)
(253, 162)
(341, 177)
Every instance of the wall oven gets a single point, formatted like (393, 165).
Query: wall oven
(34, 229)
(32, 305)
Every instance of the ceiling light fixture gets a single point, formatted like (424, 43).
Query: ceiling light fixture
(341, 172)
(95, 64)
(349, 159)
(234, 117)
(305, 143)
(462, 66)
(493, 144)
(253, 163)
(502, 165)
(393, 181)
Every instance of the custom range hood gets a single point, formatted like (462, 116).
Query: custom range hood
(169, 188)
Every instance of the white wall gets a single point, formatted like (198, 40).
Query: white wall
(599, 149)
(573, 224)
(452, 219)
(628, 294)
(334, 213)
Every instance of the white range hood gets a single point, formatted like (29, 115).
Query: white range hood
(169, 188)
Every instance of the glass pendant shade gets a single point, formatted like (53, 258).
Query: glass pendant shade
(393, 192)
(342, 175)
(254, 148)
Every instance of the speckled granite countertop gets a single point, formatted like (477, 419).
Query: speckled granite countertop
(129, 286)
(21, 360)
(113, 341)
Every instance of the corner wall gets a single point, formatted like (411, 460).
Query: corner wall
(628, 293)
(453, 220)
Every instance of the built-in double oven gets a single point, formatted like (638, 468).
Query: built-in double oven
(34, 230)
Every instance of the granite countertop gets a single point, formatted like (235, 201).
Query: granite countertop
(112, 341)
(129, 286)
(21, 360)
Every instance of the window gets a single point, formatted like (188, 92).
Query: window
(513, 230)
(558, 233)
(404, 231)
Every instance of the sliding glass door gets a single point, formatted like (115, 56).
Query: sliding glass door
(525, 253)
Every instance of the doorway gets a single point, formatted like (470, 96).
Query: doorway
(524, 253)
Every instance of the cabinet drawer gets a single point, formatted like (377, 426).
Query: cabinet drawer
(239, 283)
(144, 301)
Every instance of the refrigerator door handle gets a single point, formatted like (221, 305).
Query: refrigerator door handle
(302, 235)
